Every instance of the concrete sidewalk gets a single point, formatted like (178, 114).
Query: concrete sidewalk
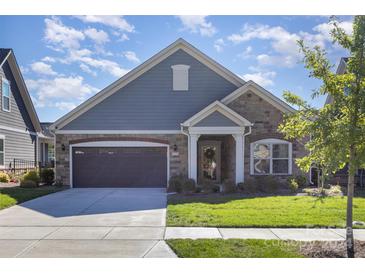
(297, 234)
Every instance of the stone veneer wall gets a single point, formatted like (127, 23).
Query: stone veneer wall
(266, 119)
(178, 161)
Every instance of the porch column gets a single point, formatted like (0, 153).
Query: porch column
(193, 156)
(240, 142)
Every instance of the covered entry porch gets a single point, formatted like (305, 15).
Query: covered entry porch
(216, 144)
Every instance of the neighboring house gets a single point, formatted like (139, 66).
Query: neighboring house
(341, 176)
(20, 130)
(46, 155)
(180, 112)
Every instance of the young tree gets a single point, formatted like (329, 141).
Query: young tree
(335, 133)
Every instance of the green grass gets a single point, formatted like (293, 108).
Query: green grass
(275, 211)
(16, 195)
(234, 248)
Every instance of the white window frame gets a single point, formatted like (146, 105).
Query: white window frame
(2, 137)
(271, 142)
(180, 77)
(4, 80)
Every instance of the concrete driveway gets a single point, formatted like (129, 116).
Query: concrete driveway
(87, 223)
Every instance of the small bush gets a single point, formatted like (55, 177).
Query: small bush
(4, 177)
(176, 183)
(198, 189)
(229, 186)
(301, 180)
(249, 186)
(293, 185)
(189, 185)
(31, 176)
(210, 187)
(47, 176)
(28, 184)
(267, 184)
(58, 183)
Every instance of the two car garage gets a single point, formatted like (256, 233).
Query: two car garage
(116, 166)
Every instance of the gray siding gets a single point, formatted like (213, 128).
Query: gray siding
(19, 146)
(18, 116)
(148, 103)
(216, 119)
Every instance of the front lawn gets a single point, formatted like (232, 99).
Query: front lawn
(251, 248)
(16, 195)
(275, 211)
(233, 248)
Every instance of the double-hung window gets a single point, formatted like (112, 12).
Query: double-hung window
(5, 95)
(271, 157)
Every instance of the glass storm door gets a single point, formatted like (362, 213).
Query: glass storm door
(210, 161)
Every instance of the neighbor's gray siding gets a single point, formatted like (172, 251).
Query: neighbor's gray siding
(18, 116)
(19, 146)
(148, 103)
(216, 119)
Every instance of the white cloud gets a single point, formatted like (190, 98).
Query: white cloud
(131, 56)
(123, 37)
(198, 24)
(45, 91)
(264, 79)
(87, 69)
(61, 36)
(65, 105)
(42, 68)
(284, 43)
(98, 36)
(219, 44)
(247, 53)
(117, 22)
(24, 69)
(48, 59)
(84, 56)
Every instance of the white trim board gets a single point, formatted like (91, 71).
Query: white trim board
(120, 144)
(138, 71)
(64, 131)
(18, 130)
(261, 92)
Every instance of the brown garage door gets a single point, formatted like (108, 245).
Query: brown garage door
(119, 167)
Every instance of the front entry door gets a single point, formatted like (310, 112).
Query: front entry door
(210, 161)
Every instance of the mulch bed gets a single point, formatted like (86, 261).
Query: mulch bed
(332, 249)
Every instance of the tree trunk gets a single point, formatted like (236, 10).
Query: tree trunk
(349, 231)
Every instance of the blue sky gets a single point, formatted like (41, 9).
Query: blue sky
(65, 60)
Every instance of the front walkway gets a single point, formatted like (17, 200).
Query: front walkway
(296, 234)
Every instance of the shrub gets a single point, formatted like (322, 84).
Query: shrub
(267, 184)
(58, 183)
(293, 185)
(28, 184)
(176, 183)
(229, 186)
(4, 177)
(189, 185)
(249, 186)
(31, 176)
(47, 176)
(215, 188)
(301, 180)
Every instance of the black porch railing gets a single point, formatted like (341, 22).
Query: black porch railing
(21, 166)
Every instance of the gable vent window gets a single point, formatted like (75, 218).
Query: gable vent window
(6, 94)
(180, 76)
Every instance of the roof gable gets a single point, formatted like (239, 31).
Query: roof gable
(261, 92)
(217, 107)
(180, 44)
(7, 55)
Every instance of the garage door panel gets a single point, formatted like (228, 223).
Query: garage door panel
(119, 167)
